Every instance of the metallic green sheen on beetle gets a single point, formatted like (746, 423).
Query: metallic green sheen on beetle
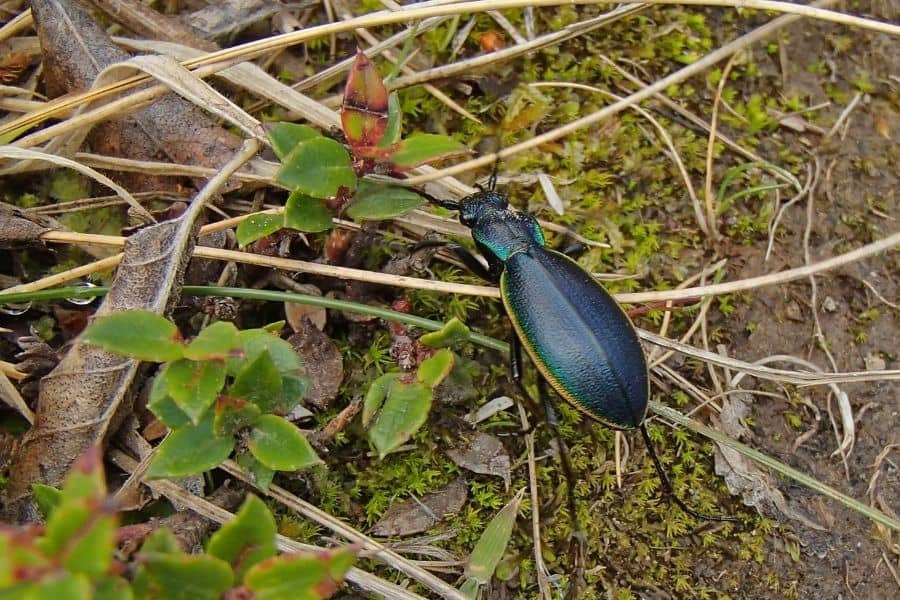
(579, 338)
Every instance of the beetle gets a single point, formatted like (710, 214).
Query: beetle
(580, 339)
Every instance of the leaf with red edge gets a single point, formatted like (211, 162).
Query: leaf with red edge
(364, 114)
(421, 148)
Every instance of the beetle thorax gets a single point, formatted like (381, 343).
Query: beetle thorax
(505, 232)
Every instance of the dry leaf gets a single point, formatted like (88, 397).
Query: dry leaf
(484, 454)
(415, 516)
(76, 50)
(323, 363)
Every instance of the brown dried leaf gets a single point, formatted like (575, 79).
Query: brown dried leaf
(86, 397)
(18, 230)
(484, 454)
(415, 516)
(323, 363)
(76, 49)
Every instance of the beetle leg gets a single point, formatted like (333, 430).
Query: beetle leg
(667, 484)
(579, 538)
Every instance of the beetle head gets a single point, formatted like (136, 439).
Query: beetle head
(478, 205)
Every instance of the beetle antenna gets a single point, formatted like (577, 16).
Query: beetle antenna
(448, 204)
(667, 484)
(492, 180)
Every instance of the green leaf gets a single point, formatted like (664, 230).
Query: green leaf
(453, 332)
(161, 541)
(405, 410)
(71, 586)
(258, 382)
(81, 529)
(299, 576)
(305, 213)
(317, 167)
(279, 445)
(293, 389)
(47, 498)
(162, 405)
(194, 385)
(257, 226)
(421, 148)
(139, 334)
(190, 450)
(186, 576)
(255, 341)
(259, 474)
(112, 588)
(377, 392)
(247, 539)
(492, 544)
(215, 342)
(285, 137)
(378, 201)
(434, 370)
(394, 124)
(233, 414)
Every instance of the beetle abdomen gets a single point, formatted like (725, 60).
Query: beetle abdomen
(578, 337)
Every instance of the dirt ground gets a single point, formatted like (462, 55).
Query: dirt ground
(856, 203)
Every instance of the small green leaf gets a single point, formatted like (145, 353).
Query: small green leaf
(279, 445)
(317, 167)
(378, 201)
(255, 341)
(194, 385)
(421, 148)
(394, 124)
(434, 370)
(190, 450)
(377, 392)
(247, 539)
(162, 405)
(453, 332)
(259, 474)
(405, 410)
(47, 498)
(285, 137)
(80, 533)
(492, 543)
(139, 334)
(215, 342)
(299, 576)
(233, 414)
(305, 213)
(186, 576)
(257, 226)
(258, 382)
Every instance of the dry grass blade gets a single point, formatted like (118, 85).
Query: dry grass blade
(797, 377)
(26, 154)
